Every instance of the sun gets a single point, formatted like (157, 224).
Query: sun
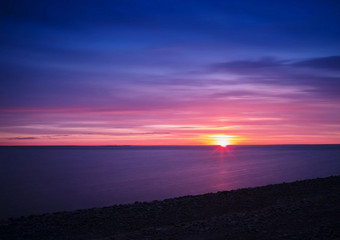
(223, 142)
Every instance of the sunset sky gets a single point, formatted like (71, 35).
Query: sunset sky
(169, 72)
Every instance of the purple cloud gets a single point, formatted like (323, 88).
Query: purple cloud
(22, 138)
(248, 64)
(331, 63)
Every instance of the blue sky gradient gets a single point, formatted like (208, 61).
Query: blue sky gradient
(169, 72)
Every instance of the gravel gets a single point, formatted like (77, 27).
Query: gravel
(306, 209)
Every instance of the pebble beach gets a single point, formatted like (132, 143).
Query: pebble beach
(307, 209)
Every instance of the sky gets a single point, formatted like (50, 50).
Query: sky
(168, 72)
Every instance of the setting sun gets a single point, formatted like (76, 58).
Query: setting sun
(222, 140)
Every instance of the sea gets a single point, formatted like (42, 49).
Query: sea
(37, 180)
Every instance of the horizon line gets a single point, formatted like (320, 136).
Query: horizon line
(197, 145)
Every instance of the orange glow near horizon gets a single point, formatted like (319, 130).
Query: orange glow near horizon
(156, 128)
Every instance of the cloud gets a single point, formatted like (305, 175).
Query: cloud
(332, 63)
(248, 64)
(22, 138)
(283, 73)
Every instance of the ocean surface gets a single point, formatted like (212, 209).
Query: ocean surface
(36, 180)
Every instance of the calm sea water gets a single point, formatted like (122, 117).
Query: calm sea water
(35, 180)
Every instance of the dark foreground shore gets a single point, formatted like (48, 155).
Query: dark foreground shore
(307, 209)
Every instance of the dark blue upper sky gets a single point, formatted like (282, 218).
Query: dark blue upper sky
(104, 56)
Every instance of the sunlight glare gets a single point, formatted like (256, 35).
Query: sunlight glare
(222, 140)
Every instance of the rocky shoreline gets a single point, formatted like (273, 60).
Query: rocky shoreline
(306, 209)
